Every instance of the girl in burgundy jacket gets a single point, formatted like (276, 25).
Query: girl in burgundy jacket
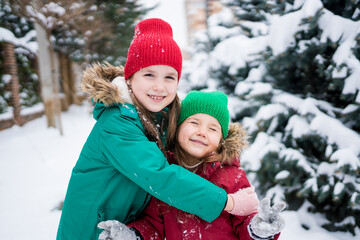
(207, 145)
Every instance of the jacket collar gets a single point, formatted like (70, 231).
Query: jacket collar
(210, 167)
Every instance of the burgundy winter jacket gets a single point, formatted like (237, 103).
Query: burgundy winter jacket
(160, 220)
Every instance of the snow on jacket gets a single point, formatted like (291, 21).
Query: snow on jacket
(118, 167)
(160, 221)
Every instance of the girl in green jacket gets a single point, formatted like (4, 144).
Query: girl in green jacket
(123, 160)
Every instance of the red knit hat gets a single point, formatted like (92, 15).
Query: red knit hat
(153, 44)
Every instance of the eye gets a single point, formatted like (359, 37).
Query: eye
(170, 77)
(213, 129)
(194, 122)
(149, 75)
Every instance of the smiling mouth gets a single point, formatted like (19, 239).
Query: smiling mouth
(156, 98)
(199, 142)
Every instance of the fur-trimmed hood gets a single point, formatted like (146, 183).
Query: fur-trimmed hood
(235, 142)
(106, 84)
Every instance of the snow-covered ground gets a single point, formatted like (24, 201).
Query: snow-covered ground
(36, 163)
(35, 167)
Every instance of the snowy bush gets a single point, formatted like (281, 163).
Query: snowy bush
(296, 80)
(20, 31)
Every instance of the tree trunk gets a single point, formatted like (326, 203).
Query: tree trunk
(72, 85)
(68, 81)
(55, 84)
(10, 67)
(49, 83)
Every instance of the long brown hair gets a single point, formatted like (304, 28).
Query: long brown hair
(167, 125)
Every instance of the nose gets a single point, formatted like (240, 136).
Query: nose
(159, 85)
(201, 131)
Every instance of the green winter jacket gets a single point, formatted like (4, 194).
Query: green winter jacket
(118, 168)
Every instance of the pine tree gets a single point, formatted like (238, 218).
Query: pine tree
(302, 116)
(102, 34)
(319, 173)
(345, 8)
(256, 10)
(306, 67)
(123, 16)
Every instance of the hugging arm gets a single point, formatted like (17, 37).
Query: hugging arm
(129, 151)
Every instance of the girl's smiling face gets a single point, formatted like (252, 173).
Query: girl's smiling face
(200, 135)
(155, 86)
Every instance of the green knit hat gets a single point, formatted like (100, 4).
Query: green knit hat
(211, 103)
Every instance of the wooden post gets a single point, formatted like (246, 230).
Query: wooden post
(72, 85)
(10, 67)
(68, 80)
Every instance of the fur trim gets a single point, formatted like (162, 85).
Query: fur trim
(120, 83)
(97, 82)
(235, 142)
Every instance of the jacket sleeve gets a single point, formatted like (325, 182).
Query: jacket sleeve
(125, 146)
(150, 224)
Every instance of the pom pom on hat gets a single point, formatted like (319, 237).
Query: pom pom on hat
(211, 103)
(152, 44)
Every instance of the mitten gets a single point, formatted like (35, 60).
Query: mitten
(268, 221)
(115, 230)
(245, 202)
